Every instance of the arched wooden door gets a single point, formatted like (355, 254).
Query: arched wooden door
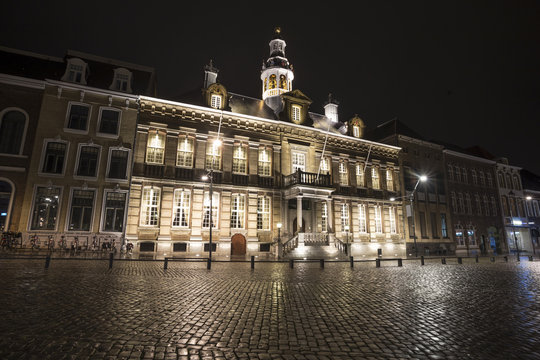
(238, 245)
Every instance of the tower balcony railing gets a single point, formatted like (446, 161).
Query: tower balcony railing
(307, 178)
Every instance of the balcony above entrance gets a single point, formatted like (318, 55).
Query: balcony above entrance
(309, 179)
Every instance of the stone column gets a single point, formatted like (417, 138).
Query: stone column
(298, 213)
(330, 215)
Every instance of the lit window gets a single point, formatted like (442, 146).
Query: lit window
(155, 149)
(296, 113)
(263, 213)
(184, 153)
(82, 204)
(206, 210)
(265, 162)
(460, 239)
(356, 131)
(444, 229)
(362, 218)
(325, 165)
(345, 217)
(375, 178)
(88, 160)
(392, 220)
(113, 216)
(181, 203)
(213, 155)
(378, 219)
(77, 118)
(45, 208)
(118, 163)
(215, 101)
(472, 237)
(343, 173)
(12, 127)
(55, 154)
(324, 216)
(109, 121)
(238, 210)
(389, 180)
(360, 178)
(239, 165)
(298, 161)
(150, 201)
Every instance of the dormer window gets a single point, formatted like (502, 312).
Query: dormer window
(76, 71)
(296, 113)
(215, 101)
(356, 131)
(121, 80)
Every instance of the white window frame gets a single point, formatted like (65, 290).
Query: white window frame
(474, 177)
(70, 206)
(240, 159)
(66, 123)
(128, 162)
(238, 211)
(324, 165)
(356, 131)
(296, 111)
(362, 218)
(468, 204)
(108, 135)
(378, 219)
(295, 163)
(360, 175)
(392, 219)
(181, 206)
(264, 212)
(156, 147)
(33, 209)
(389, 179)
(375, 178)
(206, 209)
(44, 155)
(343, 173)
(23, 139)
(345, 218)
(478, 204)
(213, 156)
(118, 74)
(77, 162)
(186, 150)
(75, 62)
(489, 179)
(264, 165)
(486, 205)
(104, 210)
(215, 101)
(145, 209)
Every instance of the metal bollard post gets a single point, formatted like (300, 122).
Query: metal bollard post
(422, 262)
(291, 263)
(322, 263)
(165, 264)
(351, 260)
(476, 258)
(378, 262)
(209, 264)
(530, 258)
(460, 260)
(47, 261)
(506, 258)
(492, 259)
(252, 262)
(443, 261)
(111, 257)
(399, 262)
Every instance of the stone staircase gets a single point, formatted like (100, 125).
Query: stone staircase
(315, 246)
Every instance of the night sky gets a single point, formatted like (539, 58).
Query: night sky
(464, 72)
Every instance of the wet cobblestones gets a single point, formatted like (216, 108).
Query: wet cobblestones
(137, 310)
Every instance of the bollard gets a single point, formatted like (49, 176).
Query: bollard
(165, 264)
(443, 261)
(530, 258)
(322, 263)
(492, 259)
(378, 262)
(47, 261)
(422, 262)
(460, 260)
(209, 264)
(252, 262)
(351, 260)
(476, 258)
(506, 258)
(291, 263)
(111, 257)
(399, 262)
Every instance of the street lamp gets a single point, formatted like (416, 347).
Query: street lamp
(210, 175)
(511, 193)
(279, 233)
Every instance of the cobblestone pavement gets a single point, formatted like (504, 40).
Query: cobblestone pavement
(79, 309)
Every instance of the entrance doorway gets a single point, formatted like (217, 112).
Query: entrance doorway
(303, 229)
(238, 245)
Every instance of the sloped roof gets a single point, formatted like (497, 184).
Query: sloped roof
(392, 127)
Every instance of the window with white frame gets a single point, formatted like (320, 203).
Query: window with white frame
(77, 116)
(453, 199)
(181, 208)
(81, 209)
(392, 219)
(517, 184)
(265, 162)
(478, 204)
(109, 121)
(461, 203)
(75, 71)
(213, 155)
(343, 173)
(378, 219)
(389, 180)
(215, 101)
(238, 211)
(296, 113)
(356, 130)
(535, 206)
(489, 179)
(150, 202)
(263, 213)
(486, 205)
(324, 216)
(460, 239)
(121, 80)
(472, 237)
(375, 182)
(444, 229)
(482, 178)
(298, 161)
(474, 177)
(206, 210)
(345, 218)
(184, 152)
(325, 165)
(362, 226)
(118, 163)
(464, 176)
(45, 208)
(457, 171)
(155, 148)
(501, 180)
(54, 157)
(88, 160)
(450, 172)
(12, 131)
(468, 204)
(114, 209)
(360, 176)
(239, 165)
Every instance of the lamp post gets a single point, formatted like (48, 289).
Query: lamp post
(280, 245)
(210, 175)
(529, 199)
(511, 193)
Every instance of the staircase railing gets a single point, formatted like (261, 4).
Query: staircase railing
(315, 239)
(290, 245)
(341, 245)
